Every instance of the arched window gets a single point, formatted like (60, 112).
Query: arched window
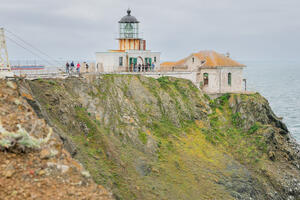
(193, 59)
(229, 79)
(205, 79)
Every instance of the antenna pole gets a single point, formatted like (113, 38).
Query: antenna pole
(4, 62)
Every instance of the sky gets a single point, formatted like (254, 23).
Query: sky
(256, 30)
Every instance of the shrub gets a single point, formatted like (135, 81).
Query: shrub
(164, 81)
(236, 119)
(21, 140)
(207, 97)
(253, 128)
(214, 121)
(51, 82)
(223, 99)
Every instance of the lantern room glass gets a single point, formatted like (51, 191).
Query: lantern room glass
(129, 30)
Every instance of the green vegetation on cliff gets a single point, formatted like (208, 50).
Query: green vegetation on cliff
(163, 139)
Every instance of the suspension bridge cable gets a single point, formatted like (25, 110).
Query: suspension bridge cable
(12, 40)
(27, 43)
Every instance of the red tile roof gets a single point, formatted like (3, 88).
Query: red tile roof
(211, 58)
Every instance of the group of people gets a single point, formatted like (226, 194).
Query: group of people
(143, 68)
(70, 68)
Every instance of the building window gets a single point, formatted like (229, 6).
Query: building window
(193, 59)
(205, 79)
(229, 79)
(120, 61)
(154, 59)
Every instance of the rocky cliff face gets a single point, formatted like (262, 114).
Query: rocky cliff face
(33, 163)
(163, 139)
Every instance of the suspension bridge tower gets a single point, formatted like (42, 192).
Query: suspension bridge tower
(4, 62)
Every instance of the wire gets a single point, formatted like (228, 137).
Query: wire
(12, 40)
(36, 49)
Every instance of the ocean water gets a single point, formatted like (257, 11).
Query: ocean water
(279, 82)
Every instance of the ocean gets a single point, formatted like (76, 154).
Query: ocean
(279, 82)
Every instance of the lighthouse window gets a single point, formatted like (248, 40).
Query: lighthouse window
(120, 61)
(229, 79)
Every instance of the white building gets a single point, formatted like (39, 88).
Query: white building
(213, 72)
(132, 54)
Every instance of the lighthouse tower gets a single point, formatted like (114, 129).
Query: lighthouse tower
(132, 55)
(129, 34)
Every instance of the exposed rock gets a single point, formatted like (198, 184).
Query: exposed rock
(161, 139)
(86, 174)
(8, 173)
(271, 155)
(11, 84)
(24, 169)
(48, 153)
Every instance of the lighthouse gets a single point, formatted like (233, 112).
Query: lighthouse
(132, 55)
(129, 34)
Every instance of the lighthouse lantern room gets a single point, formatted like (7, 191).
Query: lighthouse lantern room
(129, 33)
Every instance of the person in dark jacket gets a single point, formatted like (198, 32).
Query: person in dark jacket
(67, 67)
(87, 67)
(72, 66)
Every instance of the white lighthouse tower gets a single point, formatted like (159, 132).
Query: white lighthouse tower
(132, 55)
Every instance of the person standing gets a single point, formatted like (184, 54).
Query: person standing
(78, 68)
(67, 67)
(153, 66)
(87, 67)
(72, 66)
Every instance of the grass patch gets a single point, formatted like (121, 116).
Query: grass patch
(83, 116)
(143, 137)
(236, 119)
(254, 128)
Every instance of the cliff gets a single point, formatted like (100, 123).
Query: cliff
(143, 138)
(33, 162)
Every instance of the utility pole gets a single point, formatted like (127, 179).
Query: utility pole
(4, 62)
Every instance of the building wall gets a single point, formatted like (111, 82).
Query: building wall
(193, 63)
(213, 80)
(192, 76)
(236, 79)
(109, 61)
(218, 80)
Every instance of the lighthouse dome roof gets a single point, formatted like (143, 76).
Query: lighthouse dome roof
(128, 18)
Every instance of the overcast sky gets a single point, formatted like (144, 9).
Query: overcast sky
(76, 29)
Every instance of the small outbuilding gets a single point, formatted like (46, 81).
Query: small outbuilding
(215, 73)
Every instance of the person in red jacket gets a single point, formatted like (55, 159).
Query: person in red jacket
(78, 68)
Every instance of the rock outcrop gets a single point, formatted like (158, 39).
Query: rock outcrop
(33, 162)
(143, 138)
